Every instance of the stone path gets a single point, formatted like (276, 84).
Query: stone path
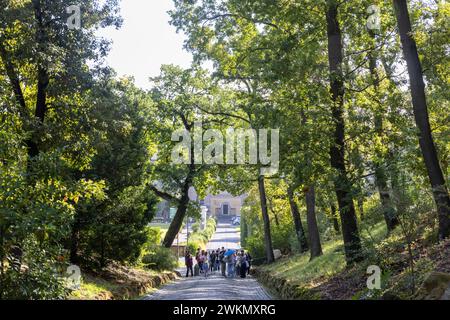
(227, 236)
(215, 287)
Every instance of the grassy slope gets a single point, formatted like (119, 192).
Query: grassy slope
(118, 283)
(299, 269)
(331, 279)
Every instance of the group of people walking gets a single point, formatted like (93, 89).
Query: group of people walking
(230, 263)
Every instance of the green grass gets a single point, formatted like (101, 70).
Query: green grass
(96, 288)
(92, 287)
(299, 269)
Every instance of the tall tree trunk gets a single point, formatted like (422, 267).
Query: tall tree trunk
(360, 202)
(74, 241)
(18, 94)
(440, 192)
(43, 82)
(13, 79)
(177, 221)
(299, 231)
(2, 261)
(313, 230)
(335, 219)
(343, 186)
(267, 233)
(388, 209)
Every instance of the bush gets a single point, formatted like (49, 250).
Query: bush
(43, 278)
(193, 245)
(281, 237)
(195, 227)
(160, 258)
(154, 235)
(199, 239)
(255, 245)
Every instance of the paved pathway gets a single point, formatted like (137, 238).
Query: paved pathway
(227, 236)
(215, 287)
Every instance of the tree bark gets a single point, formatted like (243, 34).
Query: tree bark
(177, 221)
(390, 216)
(267, 233)
(18, 94)
(360, 202)
(13, 79)
(417, 86)
(335, 219)
(299, 231)
(343, 186)
(313, 230)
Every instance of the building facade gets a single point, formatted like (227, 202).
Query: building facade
(224, 205)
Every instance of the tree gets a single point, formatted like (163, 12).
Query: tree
(337, 151)
(313, 230)
(179, 96)
(299, 231)
(114, 228)
(380, 171)
(427, 146)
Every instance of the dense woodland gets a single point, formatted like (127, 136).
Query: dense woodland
(85, 156)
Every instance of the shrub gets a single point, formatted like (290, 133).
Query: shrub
(154, 235)
(160, 258)
(199, 239)
(193, 245)
(255, 245)
(195, 227)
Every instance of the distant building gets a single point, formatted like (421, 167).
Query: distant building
(221, 205)
(224, 204)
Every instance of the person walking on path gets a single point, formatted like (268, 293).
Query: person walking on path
(205, 263)
(188, 261)
(231, 262)
(217, 262)
(222, 262)
(198, 258)
(238, 264)
(249, 258)
(244, 264)
(212, 260)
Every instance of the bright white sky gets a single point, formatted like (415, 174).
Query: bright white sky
(145, 41)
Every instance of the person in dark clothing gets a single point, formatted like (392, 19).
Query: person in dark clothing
(244, 265)
(222, 262)
(212, 260)
(217, 262)
(189, 263)
(248, 257)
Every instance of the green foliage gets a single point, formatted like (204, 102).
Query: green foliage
(160, 258)
(43, 278)
(255, 245)
(199, 238)
(84, 155)
(154, 235)
(196, 227)
(194, 244)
